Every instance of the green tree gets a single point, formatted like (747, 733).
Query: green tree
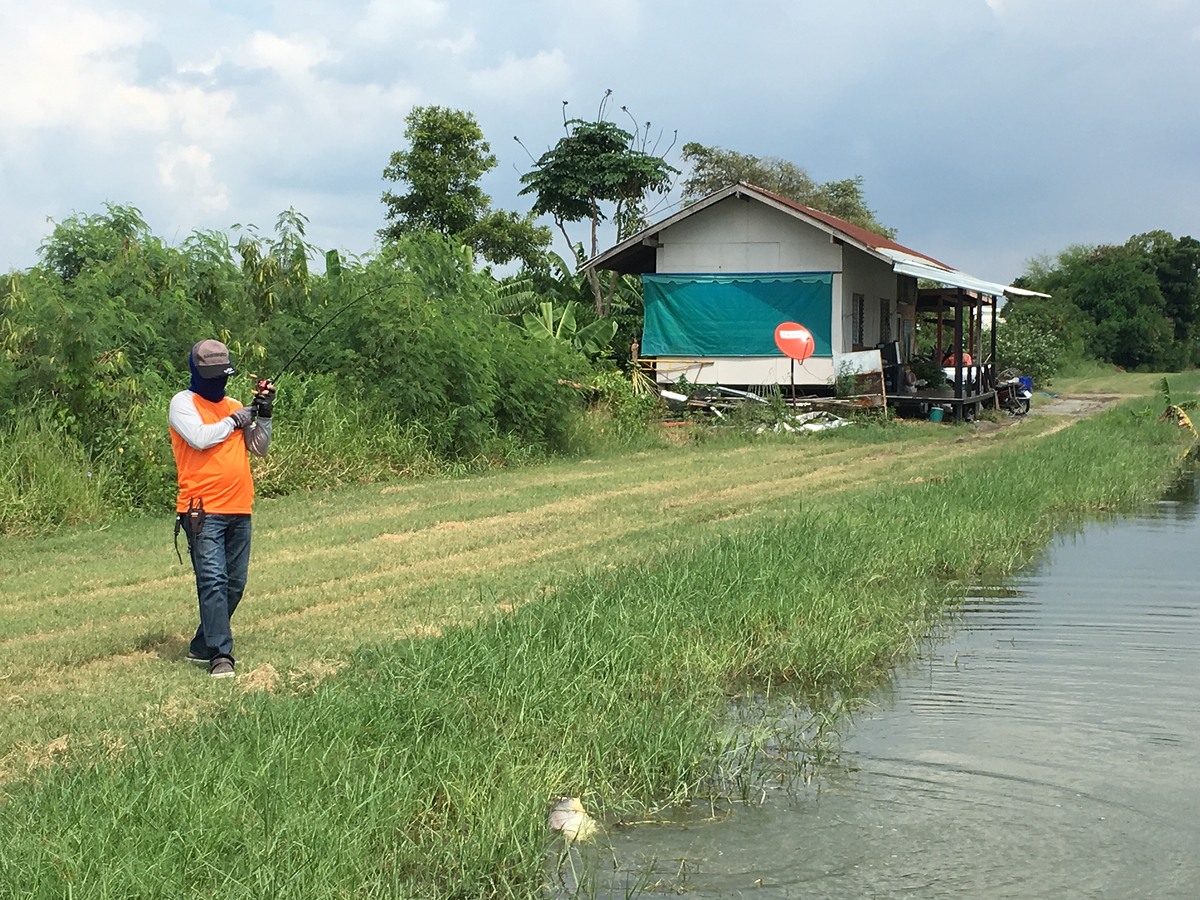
(502, 236)
(447, 157)
(714, 168)
(597, 172)
(558, 281)
(81, 241)
(121, 297)
(1176, 265)
(1118, 294)
(560, 323)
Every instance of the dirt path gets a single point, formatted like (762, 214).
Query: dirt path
(1075, 407)
(1078, 406)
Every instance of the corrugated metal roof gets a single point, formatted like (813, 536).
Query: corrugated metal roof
(919, 267)
(857, 233)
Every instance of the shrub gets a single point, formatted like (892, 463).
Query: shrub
(535, 401)
(1029, 347)
(629, 411)
(327, 435)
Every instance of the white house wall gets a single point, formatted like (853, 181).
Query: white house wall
(743, 236)
(738, 236)
(747, 370)
(875, 280)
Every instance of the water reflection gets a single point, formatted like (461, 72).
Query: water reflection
(1048, 747)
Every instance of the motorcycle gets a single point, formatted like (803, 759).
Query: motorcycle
(1013, 396)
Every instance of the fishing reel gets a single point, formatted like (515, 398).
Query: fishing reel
(264, 397)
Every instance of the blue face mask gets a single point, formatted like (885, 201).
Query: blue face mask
(209, 388)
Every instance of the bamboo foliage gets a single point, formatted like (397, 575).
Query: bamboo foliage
(94, 341)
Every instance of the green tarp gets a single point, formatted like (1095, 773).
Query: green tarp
(733, 315)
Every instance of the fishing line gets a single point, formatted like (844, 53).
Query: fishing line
(357, 298)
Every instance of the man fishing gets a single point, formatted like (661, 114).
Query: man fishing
(210, 436)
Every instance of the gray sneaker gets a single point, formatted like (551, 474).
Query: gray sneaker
(222, 667)
(198, 660)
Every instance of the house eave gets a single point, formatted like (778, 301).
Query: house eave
(636, 254)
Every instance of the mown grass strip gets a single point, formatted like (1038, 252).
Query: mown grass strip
(91, 624)
(425, 768)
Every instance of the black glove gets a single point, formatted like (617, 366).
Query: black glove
(242, 417)
(262, 405)
(264, 399)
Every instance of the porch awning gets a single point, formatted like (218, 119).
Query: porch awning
(908, 264)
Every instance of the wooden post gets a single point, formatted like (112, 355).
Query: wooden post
(995, 362)
(958, 356)
(971, 334)
(977, 340)
(938, 349)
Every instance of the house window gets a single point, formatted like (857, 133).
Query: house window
(885, 321)
(858, 310)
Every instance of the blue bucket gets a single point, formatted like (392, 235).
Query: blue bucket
(1026, 383)
(935, 414)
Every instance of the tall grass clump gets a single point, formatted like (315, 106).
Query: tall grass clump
(325, 437)
(47, 480)
(426, 769)
(622, 415)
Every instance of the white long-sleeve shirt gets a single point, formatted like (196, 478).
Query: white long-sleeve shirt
(187, 422)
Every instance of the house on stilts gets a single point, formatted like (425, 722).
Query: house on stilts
(721, 274)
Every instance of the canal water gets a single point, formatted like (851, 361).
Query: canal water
(1047, 746)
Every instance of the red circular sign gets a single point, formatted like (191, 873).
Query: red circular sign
(795, 341)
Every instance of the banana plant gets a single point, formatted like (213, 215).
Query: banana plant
(559, 323)
(1177, 412)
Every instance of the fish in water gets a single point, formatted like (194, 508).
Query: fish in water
(569, 819)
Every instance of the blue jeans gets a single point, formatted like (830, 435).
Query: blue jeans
(221, 560)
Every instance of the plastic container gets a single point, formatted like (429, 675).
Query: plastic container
(1026, 382)
(935, 414)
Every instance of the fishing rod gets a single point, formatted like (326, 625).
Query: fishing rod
(266, 385)
(264, 391)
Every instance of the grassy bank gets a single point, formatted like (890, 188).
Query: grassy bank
(1094, 378)
(498, 641)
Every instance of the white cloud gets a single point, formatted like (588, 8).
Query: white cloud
(62, 66)
(542, 72)
(452, 46)
(388, 20)
(291, 57)
(200, 115)
(590, 18)
(186, 172)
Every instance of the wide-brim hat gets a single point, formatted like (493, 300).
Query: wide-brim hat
(211, 359)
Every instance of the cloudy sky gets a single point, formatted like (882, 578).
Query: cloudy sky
(987, 132)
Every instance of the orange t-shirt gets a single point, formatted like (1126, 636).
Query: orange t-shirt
(219, 475)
